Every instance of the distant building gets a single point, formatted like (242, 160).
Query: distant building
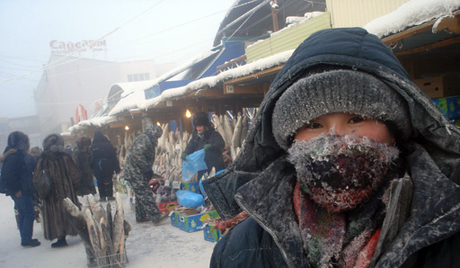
(71, 88)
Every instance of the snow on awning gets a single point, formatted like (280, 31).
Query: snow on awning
(212, 81)
(133, 100)
(412, 13)
(133, 94)
(97, 121)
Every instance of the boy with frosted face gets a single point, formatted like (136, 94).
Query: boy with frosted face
(347, 164)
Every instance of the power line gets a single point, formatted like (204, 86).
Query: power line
(70, 54)
(60, 61)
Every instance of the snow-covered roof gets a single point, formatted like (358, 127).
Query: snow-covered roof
(97, 121)
(412, 13)
(134, 92)
(212, 81)
(133, 96)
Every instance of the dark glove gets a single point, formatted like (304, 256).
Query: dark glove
(183, 156)
(207, 147)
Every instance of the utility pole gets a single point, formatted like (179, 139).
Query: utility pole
(275, 8)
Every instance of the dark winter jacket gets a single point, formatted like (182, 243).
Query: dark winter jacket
(422, 223)
(17, 168)
(105, 161)
(141, 155)
(65, 177)
(17, 174)
(83, 161)
(213, 156)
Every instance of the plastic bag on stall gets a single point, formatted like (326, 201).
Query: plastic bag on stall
(192, 164)
(186, 198)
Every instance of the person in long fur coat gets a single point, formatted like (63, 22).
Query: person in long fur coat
(66, 178)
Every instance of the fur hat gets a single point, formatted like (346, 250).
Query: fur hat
(54, 142)
(18, 140)
(35, 151)
(201, 119)
(337, 91)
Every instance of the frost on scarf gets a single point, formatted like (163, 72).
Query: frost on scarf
(340, 172)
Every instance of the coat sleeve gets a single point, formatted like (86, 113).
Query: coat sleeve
(76, 157)
(191, 146)
(11, 173)
(28, 166)
(114, 160)
(73, 172)
(38, 169)
(217, 141)
(247, 245)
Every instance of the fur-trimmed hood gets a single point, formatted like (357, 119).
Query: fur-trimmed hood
(341, 47)
(424, 205)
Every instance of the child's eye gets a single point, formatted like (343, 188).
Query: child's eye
(356, 119)
(313, 125)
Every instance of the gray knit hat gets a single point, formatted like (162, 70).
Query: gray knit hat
(337, 91)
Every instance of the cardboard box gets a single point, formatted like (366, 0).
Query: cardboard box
(449, 106)
(193, 223)
(167, 206)
(439, 86)
(191, 186)
(174, 219)
(456, 121)
(211, 235)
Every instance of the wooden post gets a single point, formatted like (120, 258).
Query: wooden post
(274, 6)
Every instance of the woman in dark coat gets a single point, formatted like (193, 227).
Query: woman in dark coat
(16, 182)
(82, 157)
(340, 198)
(65, 177)
(104, 165)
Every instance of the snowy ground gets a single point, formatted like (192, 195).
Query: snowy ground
(162, 246)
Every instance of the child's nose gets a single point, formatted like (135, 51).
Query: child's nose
(339, 129)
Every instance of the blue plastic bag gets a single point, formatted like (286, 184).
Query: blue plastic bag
(192, 164)
(189, 199)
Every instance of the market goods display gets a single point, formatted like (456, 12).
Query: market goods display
(103, 235)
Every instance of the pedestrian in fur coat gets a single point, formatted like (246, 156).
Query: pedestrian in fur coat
(65, 177)
(82, 157)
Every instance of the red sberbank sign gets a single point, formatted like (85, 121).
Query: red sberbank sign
(82, 46)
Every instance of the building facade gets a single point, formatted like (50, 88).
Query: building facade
(71, 88)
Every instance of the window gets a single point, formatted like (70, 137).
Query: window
(138, 77)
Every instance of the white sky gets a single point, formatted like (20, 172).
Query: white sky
(161, 30)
